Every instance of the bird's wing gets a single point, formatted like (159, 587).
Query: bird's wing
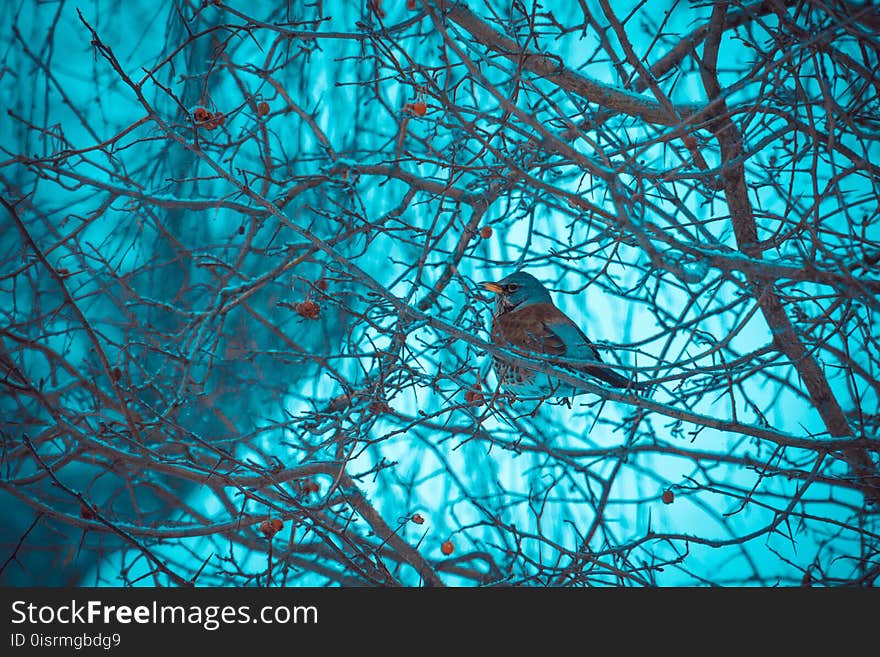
(575, 345)
(543, 328)
(526, 329)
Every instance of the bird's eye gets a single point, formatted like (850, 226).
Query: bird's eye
(513, 287)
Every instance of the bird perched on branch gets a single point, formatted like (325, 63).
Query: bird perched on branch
(526, 320)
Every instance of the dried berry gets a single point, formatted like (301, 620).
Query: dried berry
(322, 284)
(86, 512)
(474, 397)
(668, 497)
(486, 232)
(379, 407)
(418, 519)
(200, 114)
(214, 121)
(310, 486)
(308, 309)
(262, 108)
(277, 524)
(267, 529)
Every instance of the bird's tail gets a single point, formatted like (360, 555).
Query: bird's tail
(614, 379)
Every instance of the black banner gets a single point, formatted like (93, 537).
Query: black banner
(130, 620)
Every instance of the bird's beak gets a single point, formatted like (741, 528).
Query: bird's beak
(492, 287)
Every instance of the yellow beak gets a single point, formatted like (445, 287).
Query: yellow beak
(492, 287)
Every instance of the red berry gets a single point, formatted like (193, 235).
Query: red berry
(486, 232)
(277, 524)
(668, 497)
(419, 108)
(322, 284)
(267, 529)
(447, 548)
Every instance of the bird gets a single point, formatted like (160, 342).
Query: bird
(526, 320)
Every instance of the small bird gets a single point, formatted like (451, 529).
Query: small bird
(526, 320)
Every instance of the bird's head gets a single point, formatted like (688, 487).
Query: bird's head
(517, 290)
